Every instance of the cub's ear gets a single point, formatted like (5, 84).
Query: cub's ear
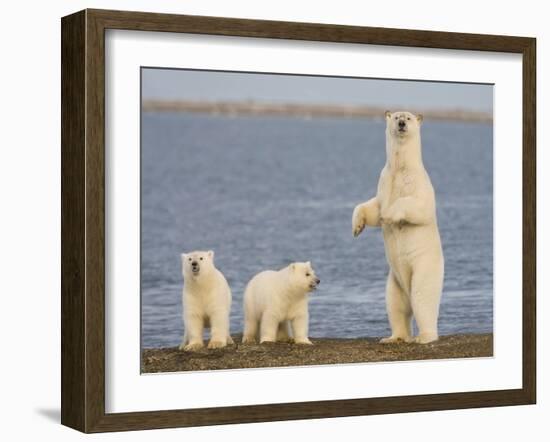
(293, 266)
(183, 256)
(419, 118)
(308, 264)
(210, 254)
(387, 114)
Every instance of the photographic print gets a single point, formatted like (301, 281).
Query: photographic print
(294, 220)
(251, 204)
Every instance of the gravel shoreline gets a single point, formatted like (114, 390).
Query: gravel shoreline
(324, 351)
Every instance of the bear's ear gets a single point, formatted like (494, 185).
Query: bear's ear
(387, 114)
(183, 256)
(210, 254)
(293, 266)
(308, 264)
(419, 118)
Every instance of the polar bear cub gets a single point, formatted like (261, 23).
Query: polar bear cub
(404, 206)
(206, 302)
(276, 303)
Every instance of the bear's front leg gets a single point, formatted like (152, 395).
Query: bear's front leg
(193, 333)
(366, 214)
(219, 330)
(300, 329)
(283, 334)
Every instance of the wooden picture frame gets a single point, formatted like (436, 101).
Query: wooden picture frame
(83, 220)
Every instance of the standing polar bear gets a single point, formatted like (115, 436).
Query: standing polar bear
(404, 207)
(273, 301)
(206, 302)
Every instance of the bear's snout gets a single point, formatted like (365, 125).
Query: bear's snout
(195, 266)
(314, 283)
(401, 124)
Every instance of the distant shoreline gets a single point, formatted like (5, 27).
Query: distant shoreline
(236, 108)
(324, 351)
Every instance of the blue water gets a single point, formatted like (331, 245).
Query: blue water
(265, 191)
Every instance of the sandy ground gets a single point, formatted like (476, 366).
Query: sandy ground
(324, 351)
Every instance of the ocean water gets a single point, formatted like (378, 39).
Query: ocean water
(264, 191)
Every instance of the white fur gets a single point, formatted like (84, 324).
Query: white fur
(206, 302)
(276, 303)
(404, 207)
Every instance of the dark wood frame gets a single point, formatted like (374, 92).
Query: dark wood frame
(83, 220)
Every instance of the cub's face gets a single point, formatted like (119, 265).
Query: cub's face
(304, 276)
(401, 125)
(197, 263)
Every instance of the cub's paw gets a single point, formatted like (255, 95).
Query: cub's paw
(267, 341)
(358, 221)
(216, 344)
(192, 346)
(303, 341)
(425, 339)
(395, 340)
(230, 340)
(249, 340)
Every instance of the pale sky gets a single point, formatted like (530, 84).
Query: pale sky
(174, 84)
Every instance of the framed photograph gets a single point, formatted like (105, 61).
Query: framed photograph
(269, 220)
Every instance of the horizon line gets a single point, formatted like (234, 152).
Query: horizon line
(307, 110)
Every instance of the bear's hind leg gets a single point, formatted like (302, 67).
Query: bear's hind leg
(399, 311)
(183, 341)
(427, 284)
(251, 322)
(194, 326)
(250, 329)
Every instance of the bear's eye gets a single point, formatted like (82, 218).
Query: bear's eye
(307, 273)
(408, 118)
(200, 258)
(396, 118)
(189, 259)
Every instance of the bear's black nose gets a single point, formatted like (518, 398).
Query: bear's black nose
(317, 280)
(194, 263)
(401, 124)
